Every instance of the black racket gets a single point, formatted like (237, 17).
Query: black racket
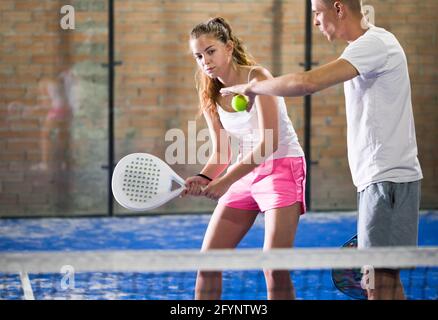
(348, 281)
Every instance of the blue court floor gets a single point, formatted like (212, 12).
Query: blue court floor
(181, 232)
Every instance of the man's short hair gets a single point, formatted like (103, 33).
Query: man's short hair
(354, 5)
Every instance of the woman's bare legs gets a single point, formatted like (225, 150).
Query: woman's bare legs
(280, 227)
(226, 228)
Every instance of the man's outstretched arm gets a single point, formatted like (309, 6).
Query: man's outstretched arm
(298, 84)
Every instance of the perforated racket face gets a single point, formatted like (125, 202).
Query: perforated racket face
(142, 181)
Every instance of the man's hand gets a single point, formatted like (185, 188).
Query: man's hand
(244, 89)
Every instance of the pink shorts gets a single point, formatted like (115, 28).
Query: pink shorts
(273, 184)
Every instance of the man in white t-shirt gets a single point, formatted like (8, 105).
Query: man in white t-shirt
(382, 148)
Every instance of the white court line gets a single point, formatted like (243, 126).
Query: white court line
(27, 287)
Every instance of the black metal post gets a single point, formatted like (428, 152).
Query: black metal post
(111, 66)
(308, 102)
(277, 41)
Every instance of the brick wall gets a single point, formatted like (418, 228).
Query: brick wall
(155, 92)
(50, 161)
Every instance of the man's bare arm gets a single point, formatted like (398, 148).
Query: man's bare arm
(298, 84)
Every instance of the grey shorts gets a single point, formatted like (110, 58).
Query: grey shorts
(388, 214)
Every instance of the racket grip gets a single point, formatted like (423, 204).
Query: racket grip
(202, 188)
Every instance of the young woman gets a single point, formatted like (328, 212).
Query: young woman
(269, 174)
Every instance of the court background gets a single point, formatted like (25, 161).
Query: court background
(54, 165)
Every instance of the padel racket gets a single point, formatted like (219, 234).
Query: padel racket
(143, 182)
(348, 281)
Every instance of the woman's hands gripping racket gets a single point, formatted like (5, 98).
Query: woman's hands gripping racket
(143, 182)
(195, 186)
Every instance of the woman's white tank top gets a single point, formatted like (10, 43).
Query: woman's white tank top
(244, 127)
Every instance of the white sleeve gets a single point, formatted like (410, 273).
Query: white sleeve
(367, 55)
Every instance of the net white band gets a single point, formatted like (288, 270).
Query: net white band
(241, 259)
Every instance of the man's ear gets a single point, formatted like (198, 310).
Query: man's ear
(340, 9)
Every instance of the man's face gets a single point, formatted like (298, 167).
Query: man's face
(325, 18)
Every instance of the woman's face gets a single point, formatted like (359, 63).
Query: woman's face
(212, 56)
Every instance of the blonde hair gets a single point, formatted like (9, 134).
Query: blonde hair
(208, 88)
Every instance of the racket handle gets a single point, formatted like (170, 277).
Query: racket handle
(202, 188)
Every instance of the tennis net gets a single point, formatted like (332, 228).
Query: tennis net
(316, 273)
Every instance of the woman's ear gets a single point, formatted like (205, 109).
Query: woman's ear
(230, 46)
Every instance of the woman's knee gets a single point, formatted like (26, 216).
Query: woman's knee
(209, 275)
(277, 276)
